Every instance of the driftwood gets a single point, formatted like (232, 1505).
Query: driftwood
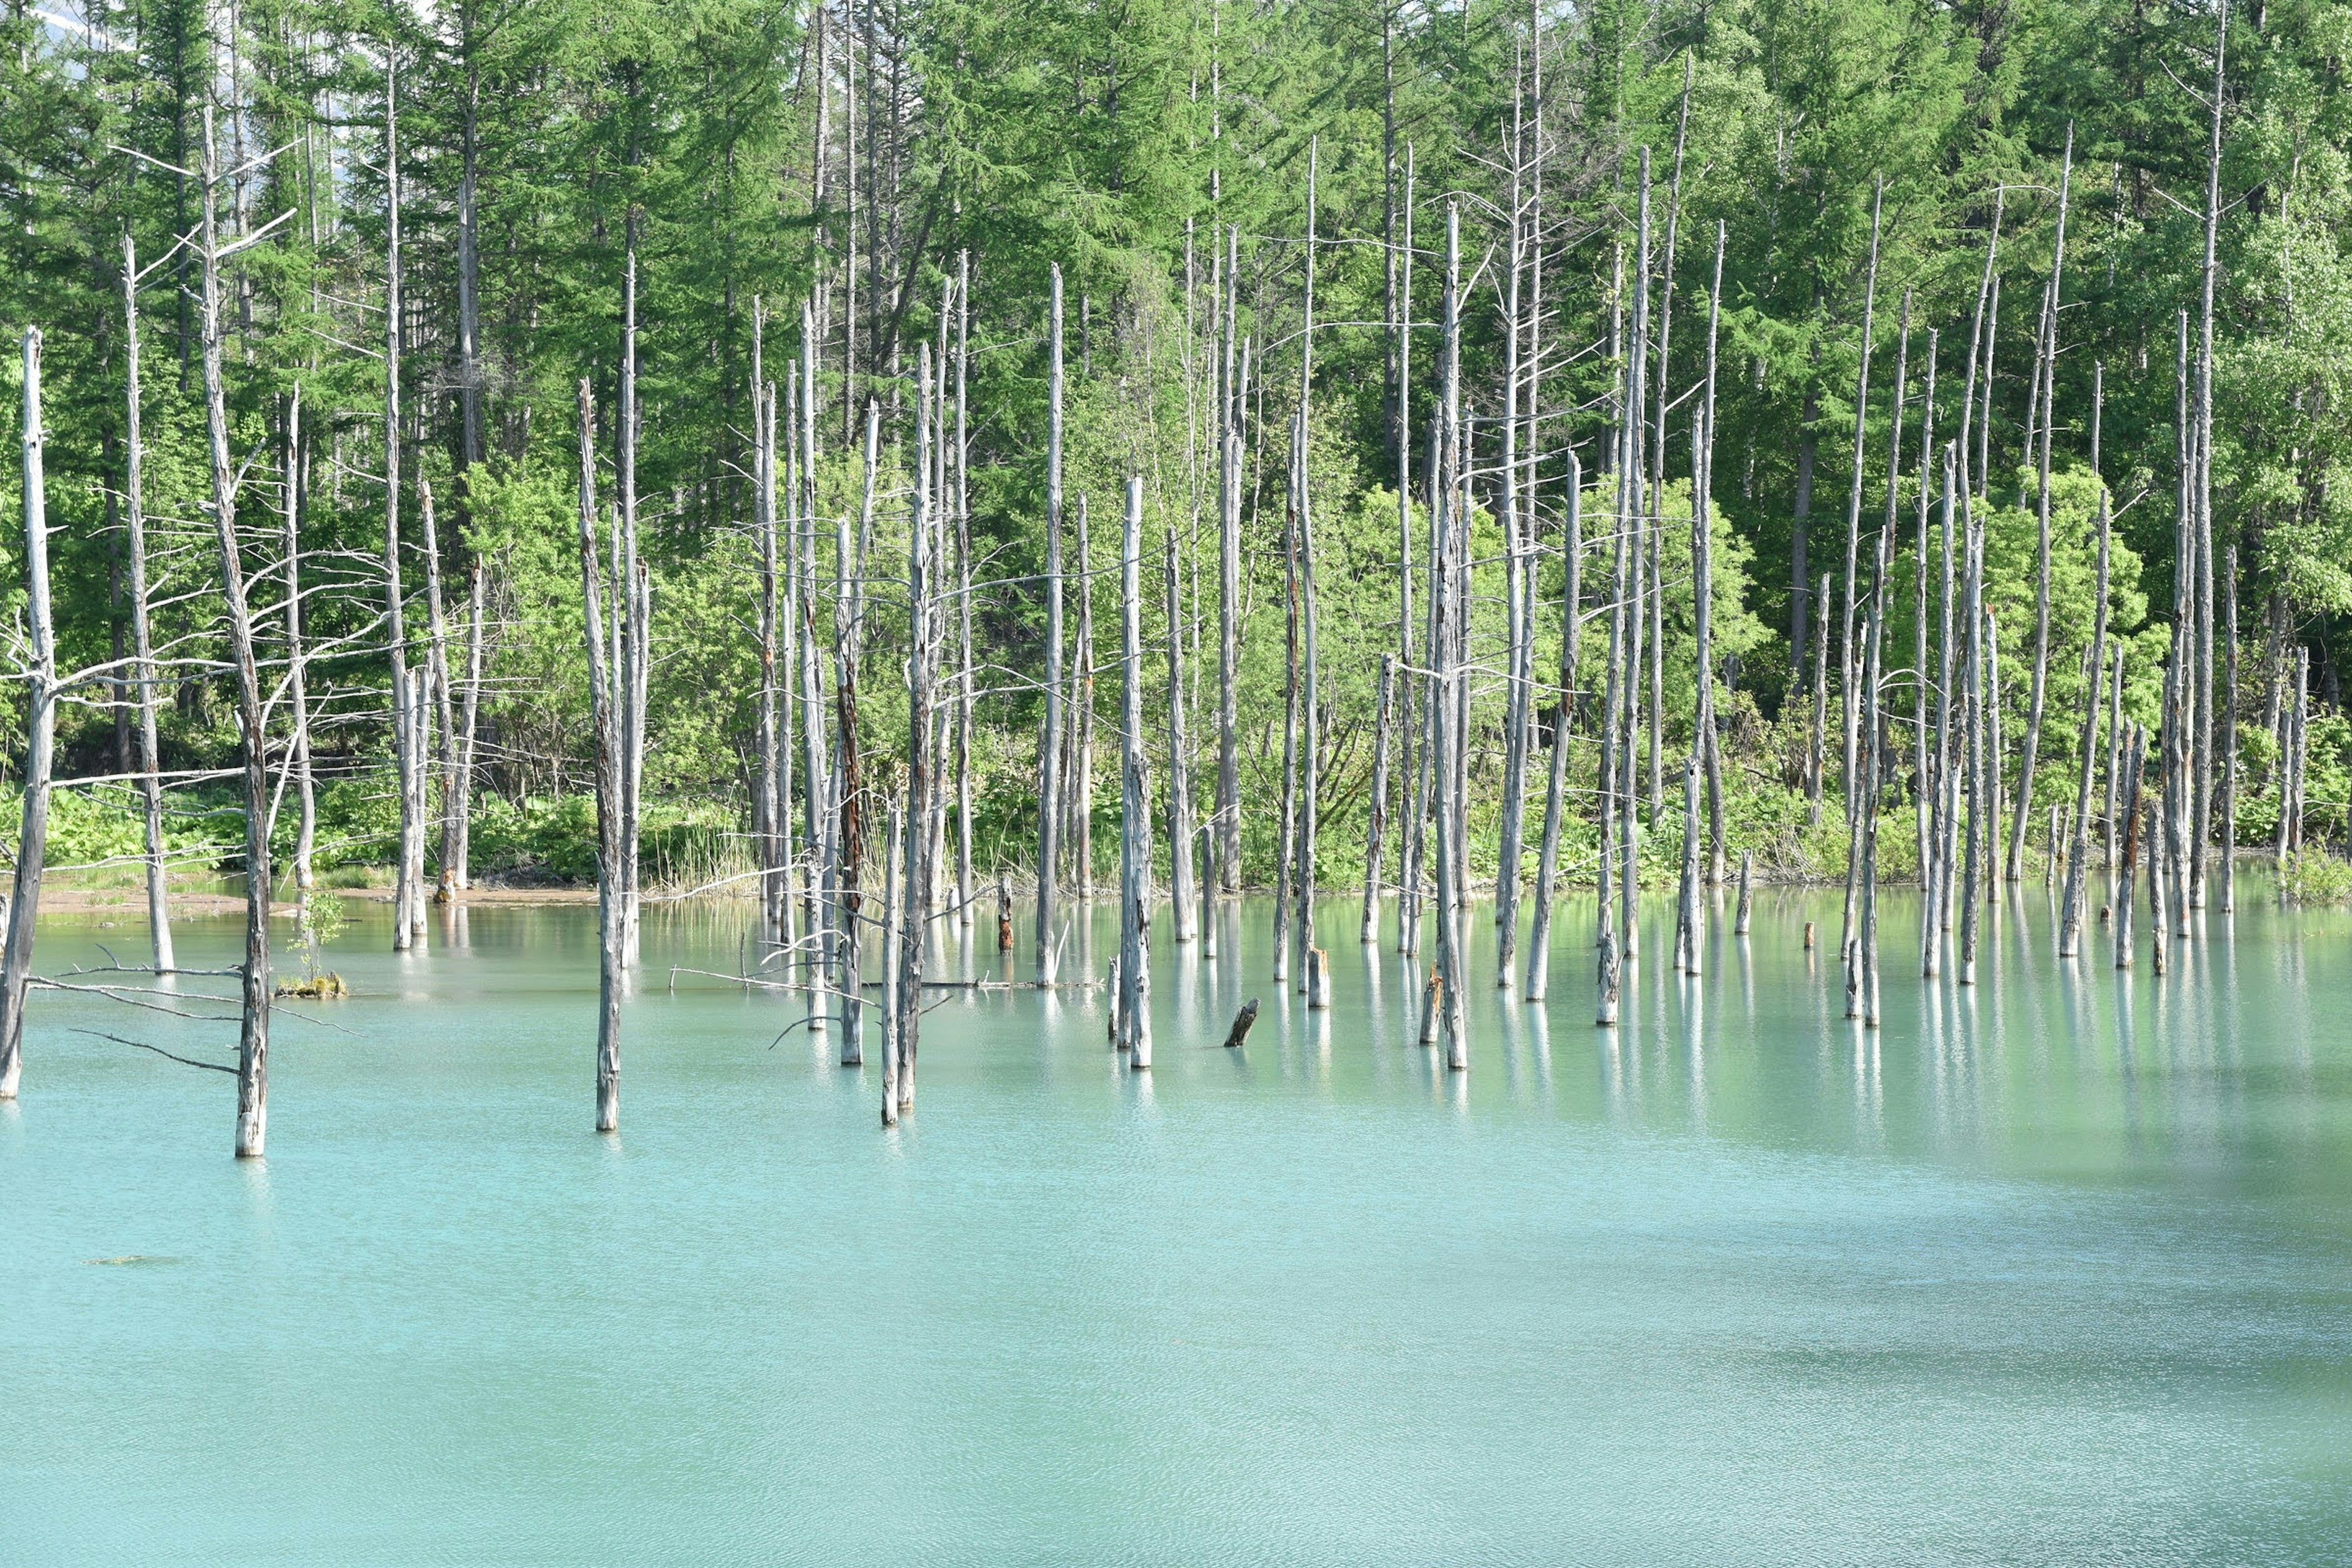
(1242, 1020)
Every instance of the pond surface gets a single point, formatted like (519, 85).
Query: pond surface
(2054, 1271)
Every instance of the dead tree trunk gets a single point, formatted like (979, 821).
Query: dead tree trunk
(1376, 820)
(41, 739)
(1135, 816)
(445, 709)
(915, 883)
(253, 1026)
(2046, 368)
(610, 969)
(297, 699)
(1229, 528)
(2070, 921)
(406, 913)
(1563, 728)
(2229, 741)
(1049, 753)
(142, 643)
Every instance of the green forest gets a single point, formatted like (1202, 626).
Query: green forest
(1797, 260)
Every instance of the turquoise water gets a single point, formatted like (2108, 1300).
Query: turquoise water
(2054, 1272)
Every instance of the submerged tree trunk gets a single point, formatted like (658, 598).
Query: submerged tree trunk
(2070, 920)
(40, 733)
(253, 1026)
(610, 969)
(1135, 814)
(142, 645)
(2047, 370)
(407, 914)
(1049, 753)
(1563, 728)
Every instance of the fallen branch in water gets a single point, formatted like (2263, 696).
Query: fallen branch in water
(141, 1045)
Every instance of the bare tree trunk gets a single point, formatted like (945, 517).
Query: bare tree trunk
(1449, 569)
(1135, 817)
(1287, 847)
(915, 885)
(1385, 702)
(1078, 769)
(1709, 741)
(610, 969)
(964, 698)
(1049, 755)
(817, 809)
(2070, 921)
(767, 816)
(632, 602)
(1973, 742)
(1229, 525)
(849, 790)
(40, 736)
(1408, 731)
(406, 912)
(2046, 372)
(2229, 741)
(1184, 896)
(151, 778)
(1935, 875)
(253, 1026)
(2201, 814)
(1923, 806)
(438, 674)
(1746, 905)
(1517, 571)
(1849, 654)
(1563, 729)
(1310, 694)
(298, 749)
(2129, 803)
(894, 892)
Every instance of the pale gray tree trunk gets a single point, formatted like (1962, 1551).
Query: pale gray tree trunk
(142, 645)
(1049, 753)
(41, 739)
(603, 723)
(253, 1025)
(1135, 817)
(2046, 374)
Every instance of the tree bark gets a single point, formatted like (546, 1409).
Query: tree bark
(40, 738)
(142, 645)
(1135, 817)
(2046, 372)
(1049, 757)
(610, 968)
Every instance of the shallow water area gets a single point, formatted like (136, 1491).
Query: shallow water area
(2053, 1268)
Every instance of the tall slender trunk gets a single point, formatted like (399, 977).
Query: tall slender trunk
(142, 643)
(611, 976)
(962, 502)
(1049, 753)
(1449, 569)
(253, 1025)
(407, 914)
(922, 638)
(1229, 527)
(2202, 824)
(1563, 729)
(1310, 694)
(40, 737)
(2046, 372)
(1135, 814)
(2070, 923)
(298, 697)
(1849, 656)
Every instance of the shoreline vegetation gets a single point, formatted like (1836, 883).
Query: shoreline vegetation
(1553, 455)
